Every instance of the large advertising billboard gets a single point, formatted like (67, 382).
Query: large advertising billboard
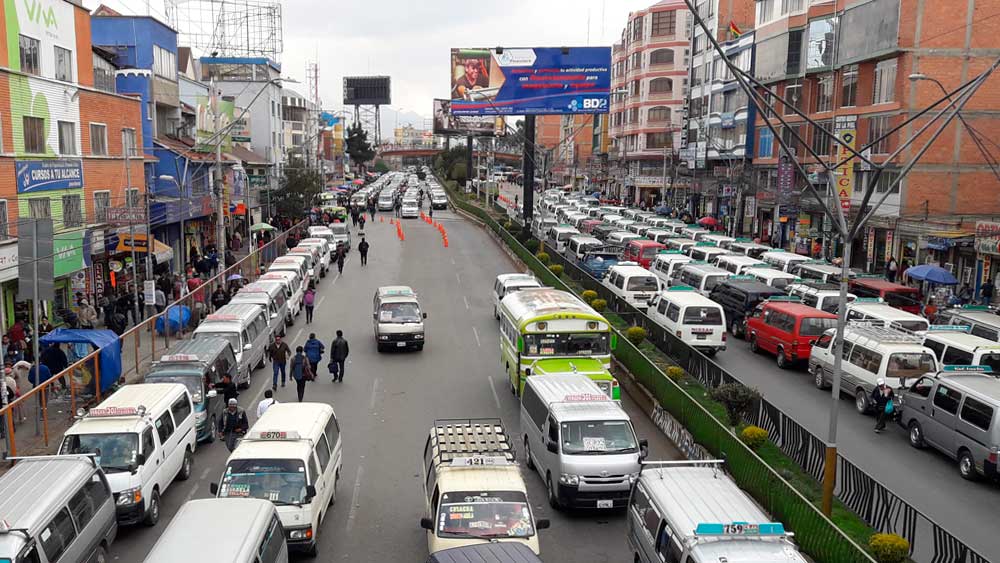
(447, 123)
(530, 81)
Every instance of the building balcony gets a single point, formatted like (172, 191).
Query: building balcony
(658, 97)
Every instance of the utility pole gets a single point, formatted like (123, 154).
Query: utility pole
(663, 189)
(127, 149)
(528, 168)
(220, 237)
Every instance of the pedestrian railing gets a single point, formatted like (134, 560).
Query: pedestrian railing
(34, 423)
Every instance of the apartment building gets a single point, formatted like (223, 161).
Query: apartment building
(300, 127)
(565, 144)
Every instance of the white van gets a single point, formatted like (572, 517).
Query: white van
(694, 512)
(320, 231)
(296, 262)
(738, 263)
(312, 255)
(701, 276)
(870, 353)
(509, 283)
(778, 279)
(325, 250)
(581, 443)
(293, 457)
(824, 297)
(659, 235)
(954, 346)
(983, 320)
(718, 240)
(747, 248)
(294, 289)
(559, 235)
(874, 309)
(820, 271)
(271, 297)
(706, 252)
(782, 260)
(144, 437)
(632, 283)
(695, 233)
(579, 245)
(695, 319)
(246, 328)
(622, 237)
(665, 264)
(681, 244)
(540, 225)
(261, 538)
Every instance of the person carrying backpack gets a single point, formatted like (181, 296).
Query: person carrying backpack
(310, 302)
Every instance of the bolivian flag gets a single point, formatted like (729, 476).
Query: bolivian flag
(735, 31)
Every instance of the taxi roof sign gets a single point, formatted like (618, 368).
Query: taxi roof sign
(868, 300)
(222, 317)
(680, 288)
(740, 529)
(968, 369)
(949, 328)
(275, 435)
(479, 460)
(585, 397)
(179, 358)
(103, 412)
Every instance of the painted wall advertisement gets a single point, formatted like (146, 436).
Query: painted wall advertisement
(845, 128)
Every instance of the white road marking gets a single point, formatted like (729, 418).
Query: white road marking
(466, 299)
(320, 302)
(354, 499)
(496, 398)
(298, 335)
(371, 404)
(459, 278)
(452, 261)
(476, 332)
(191, 493)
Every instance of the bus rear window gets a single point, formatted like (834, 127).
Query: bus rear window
(992, 360)
(642, 283)
(703, 316)
(910, 364)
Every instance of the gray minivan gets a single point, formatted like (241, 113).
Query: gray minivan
(270, 296)
(56, 508)
(954, 411)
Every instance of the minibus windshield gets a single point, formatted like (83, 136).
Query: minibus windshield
(597, 437)
(566, 344)
(399, 313)
(281, 481)
(910, 364)
(490, 514)
(912, 326)
(232, 337)
(113, 452)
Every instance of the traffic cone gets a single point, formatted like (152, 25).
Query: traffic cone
(381, 219)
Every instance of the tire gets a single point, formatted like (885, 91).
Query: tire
(213, 427)
(101, 556)
(916, 435)
(861, 401)
(781, 360)
(735, 330)
(419, 347)
(967, 466)
(333, 497)
(754, 347)
(261, 363)
(187, 467)
(379, 348)
(553, 494)
(153, 512)
(818, 380)
(527, 455)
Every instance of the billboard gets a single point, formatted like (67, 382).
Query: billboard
(205, 138)
(366, 91)
(446, 123)
(530, 81)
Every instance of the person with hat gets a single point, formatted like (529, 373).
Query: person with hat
(882, 399)
(87, 314)
(234, 424)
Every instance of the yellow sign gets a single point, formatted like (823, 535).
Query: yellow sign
(845, 128)
(127, 242)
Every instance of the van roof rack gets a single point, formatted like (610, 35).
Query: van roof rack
(875, 332)
(462, 441)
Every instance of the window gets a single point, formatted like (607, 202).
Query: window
(793, 95)
(955, 357)
(791, 135)
(30, 59)
(38, 208)
(67, 137)
(765, 144)
(868, 360)
(923, 387)
(34, 134)
(824, 93)
(88, 500)
(661, 86)
(697, 44)
(164, 427)
(664, 23)
(323, 453)
(637, 29)
(766, 10)
(102, 201)
(877, 129)
(128, 140)
(849, 86)
(644, 510)
(72, 213)
(822, 142)
(662, 57)
(98, 139)
(273, 546)
(4, 232)
(657, 140)
(790, 6)
(977, 413)
(64, 64)
(57, 536)
(332, 431)
(885, 82)
(658, 114)
(983, 332)
(888, 178)
(148, 445)
(164, 63)
(104, 74)
(947, 399)
(181, 409)
(132, 197)
(793, 64)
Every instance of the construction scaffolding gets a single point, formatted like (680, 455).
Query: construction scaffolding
(228, 28)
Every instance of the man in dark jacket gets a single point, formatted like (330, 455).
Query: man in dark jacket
(882, 395)
(234, 424)
(338, 355)
(363, 247)
(314, 351)
(301, 372)
(228, 387)
(278, 352)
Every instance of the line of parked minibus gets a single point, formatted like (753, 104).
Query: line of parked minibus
(703, 287)
(119, 457)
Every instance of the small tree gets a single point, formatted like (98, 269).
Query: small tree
(381, 167)
(557, 269)
(459, 173)
(358, 147)
(299, 188)
(599, 305)
(544, 258)
(635, 334)
(588, 296)
(753, 436)
(675, 373)
(737, 398)
(889, 548)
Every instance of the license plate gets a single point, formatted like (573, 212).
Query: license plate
(605, 504)
(400, 344)
(701, 336)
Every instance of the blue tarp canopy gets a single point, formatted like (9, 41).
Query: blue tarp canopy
(110, 356)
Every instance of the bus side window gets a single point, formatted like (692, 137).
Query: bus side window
(270, 548)
(666, 545)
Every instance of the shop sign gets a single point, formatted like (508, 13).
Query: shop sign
(649, 181)
(988, 237)
(257, 180)
(888, 245)
(8, 262)
(124, 216)
(72, 252)
(727, 190)
(728, 120)
(129, 242)
(871, 245)
(98, 281)
(786, 179)
(804, 221)
(845, 128)
(751, 206)
(51, 174)
(987, 265)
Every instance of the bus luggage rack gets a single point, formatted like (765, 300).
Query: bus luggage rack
(877, 333)
(452, 439)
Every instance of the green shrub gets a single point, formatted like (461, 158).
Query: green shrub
(531, 245)
(675, 373)
(889, 548)
(599, 305)
(753, 436)
(738, 400)
(557, 269)
(508, 225)
(635, 334)
(588, 296)
(544, 258)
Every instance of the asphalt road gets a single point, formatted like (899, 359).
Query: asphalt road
(928, 480)
(387, 402)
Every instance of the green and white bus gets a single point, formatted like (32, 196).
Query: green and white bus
(545, 323)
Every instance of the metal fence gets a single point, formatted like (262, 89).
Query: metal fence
(30, 422)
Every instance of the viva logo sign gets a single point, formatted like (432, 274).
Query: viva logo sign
(40, 14)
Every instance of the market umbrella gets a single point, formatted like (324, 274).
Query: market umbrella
(234, 277)
(708, 221)
(931, 273)
(258, 227)
(359, 181)
(662, 210)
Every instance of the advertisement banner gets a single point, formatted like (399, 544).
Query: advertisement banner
(72, 252)
(845, 128)
(46, 175)
(205, 125)
(125, 216)
(750, 206)
(241, 128)
(871, 245)
(530, 81)
(988, 237)
(786, 180)
(888, 245)
(446, 123)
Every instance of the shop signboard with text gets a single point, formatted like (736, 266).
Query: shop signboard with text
(988, 238)
(50, 174)
(845, 129)
(72, 252)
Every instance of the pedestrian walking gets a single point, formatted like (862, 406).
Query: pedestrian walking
(278, 352)
(314, 351)
(309, 300)
(265, 403)
(301, 372)
(891, 268)
(363, 247)
(986, 292)
(234, 424)
(341, 256)
(229, 388)
(361, 222)
(87, 314)
(338, 356)
(882, 397)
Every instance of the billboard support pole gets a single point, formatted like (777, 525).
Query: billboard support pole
(528, 177)
(468, 164)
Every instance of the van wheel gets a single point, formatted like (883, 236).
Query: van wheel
(153, 512)
(553, 493)
(783, 362)
(527, 454)
(753, 345)
(213, 427)
(260, 365)
(186, 467)
(916, 435)
(379, 348)
(818, 378)
(735, 330)
(861, 401)
(967, 466)
(101, 556)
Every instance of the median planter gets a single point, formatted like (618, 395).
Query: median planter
(599, 305)
(635, 334)
(544, 258)
(556, 269)
(753, 436)
(889, 548)
(588, 296)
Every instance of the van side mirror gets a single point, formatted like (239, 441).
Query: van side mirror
(212, 393)
(542, 524)
(427, 523)
(248, 346)
(552, 446)
(310, 492)
(213, 488)
(425, 315)
(643, 448)
(140, 459)
(274, 316)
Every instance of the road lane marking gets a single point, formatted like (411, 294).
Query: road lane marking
(320, 302)
(191, 493)
(496, 398)
(354, 499)
(453, 262)
(371, 404)
(476, 332)
(459, 278)
(466, 299)
(298, 334)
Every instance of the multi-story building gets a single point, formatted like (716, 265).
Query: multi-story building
(720, 120)
(410, 136)
(565, 143)
(861, 69)
(650, 85)
(69, 149)
(300, 123)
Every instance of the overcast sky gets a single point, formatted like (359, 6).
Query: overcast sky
(410, 41)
